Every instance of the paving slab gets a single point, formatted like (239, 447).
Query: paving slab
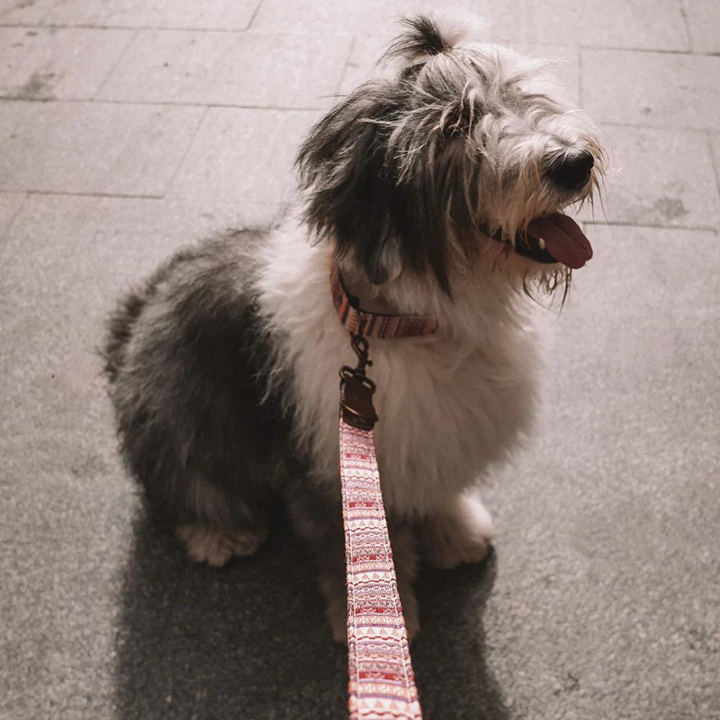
(200, 14)
(42, 64)
(658, 177)
(602, 598)
(325, 18)
(93, 147)
(76, 257)
(24, 12)
(244, 156)
(657, 89)
(67, 522)
(703, 18)
(592, 605)
(647, 24)
(256, 69)
(592, 614)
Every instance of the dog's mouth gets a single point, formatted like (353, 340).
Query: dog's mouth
(550, 239)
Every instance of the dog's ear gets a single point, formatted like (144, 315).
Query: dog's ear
(387, 180)
(342, 166)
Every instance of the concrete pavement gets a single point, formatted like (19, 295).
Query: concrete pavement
(128, 129)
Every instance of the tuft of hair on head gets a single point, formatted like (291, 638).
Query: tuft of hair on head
(429, 34)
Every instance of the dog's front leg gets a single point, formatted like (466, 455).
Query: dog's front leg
(405, 558)
(459, 533)
(319, 523)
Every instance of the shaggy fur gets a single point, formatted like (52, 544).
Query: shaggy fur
(223, 367)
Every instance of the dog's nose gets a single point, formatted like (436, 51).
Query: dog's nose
(571, 171)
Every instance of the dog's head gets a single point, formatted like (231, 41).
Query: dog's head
(467, 156)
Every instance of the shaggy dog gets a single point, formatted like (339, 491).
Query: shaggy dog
(436, 193)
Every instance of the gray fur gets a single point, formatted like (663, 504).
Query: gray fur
(185, 357)
(417, 166)
(421, 170)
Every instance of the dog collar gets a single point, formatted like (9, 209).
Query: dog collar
(370, 324)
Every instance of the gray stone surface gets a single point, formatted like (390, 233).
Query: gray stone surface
(657, 89)
(659, 177)
(93, 147)
(203, 14)
(41, 64)
(642, 24)
(356, 16)
(251, 69)
(646, 24)
(602, 599)
(703, 20)
(609, 520)
(244, 155)
(24, 11)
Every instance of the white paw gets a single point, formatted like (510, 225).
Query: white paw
(216, 546)
(461, 534)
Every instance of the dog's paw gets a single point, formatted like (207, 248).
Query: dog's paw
(216, 546)
(460, 535)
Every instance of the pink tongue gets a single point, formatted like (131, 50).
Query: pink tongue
(564, 240)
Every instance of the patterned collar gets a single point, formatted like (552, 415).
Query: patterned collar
(374, 325)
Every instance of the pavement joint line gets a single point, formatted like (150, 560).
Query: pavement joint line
(648, 51)
(581, 50)
(165, 28)
(339, 85)
(255, 14)
(172, 196)
(154, 103)
(714, 161)
(5, 233)
(653, 226)
(248, 30)
(72, 193)
(180, 164)
(667, 128)
(121, 57)
(686, 23)
(47, 12)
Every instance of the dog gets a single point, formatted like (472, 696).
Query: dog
(437, 193)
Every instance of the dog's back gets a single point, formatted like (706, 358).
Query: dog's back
(183, 356)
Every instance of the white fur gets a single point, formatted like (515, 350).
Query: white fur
(450, 404)
(216, 546)
(461, 533)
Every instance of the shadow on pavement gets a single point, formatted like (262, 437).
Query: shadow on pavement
(249, 642)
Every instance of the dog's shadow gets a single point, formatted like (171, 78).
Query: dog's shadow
(250, 641)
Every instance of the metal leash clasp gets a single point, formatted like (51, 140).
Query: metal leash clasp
(356, 389)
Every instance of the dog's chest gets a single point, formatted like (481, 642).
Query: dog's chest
(441, 422)
(447, 409)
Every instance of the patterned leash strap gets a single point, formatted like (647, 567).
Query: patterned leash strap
(382, 683)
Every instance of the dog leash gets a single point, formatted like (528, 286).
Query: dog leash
(381, 679)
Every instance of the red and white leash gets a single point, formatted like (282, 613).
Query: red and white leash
(382, 683)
